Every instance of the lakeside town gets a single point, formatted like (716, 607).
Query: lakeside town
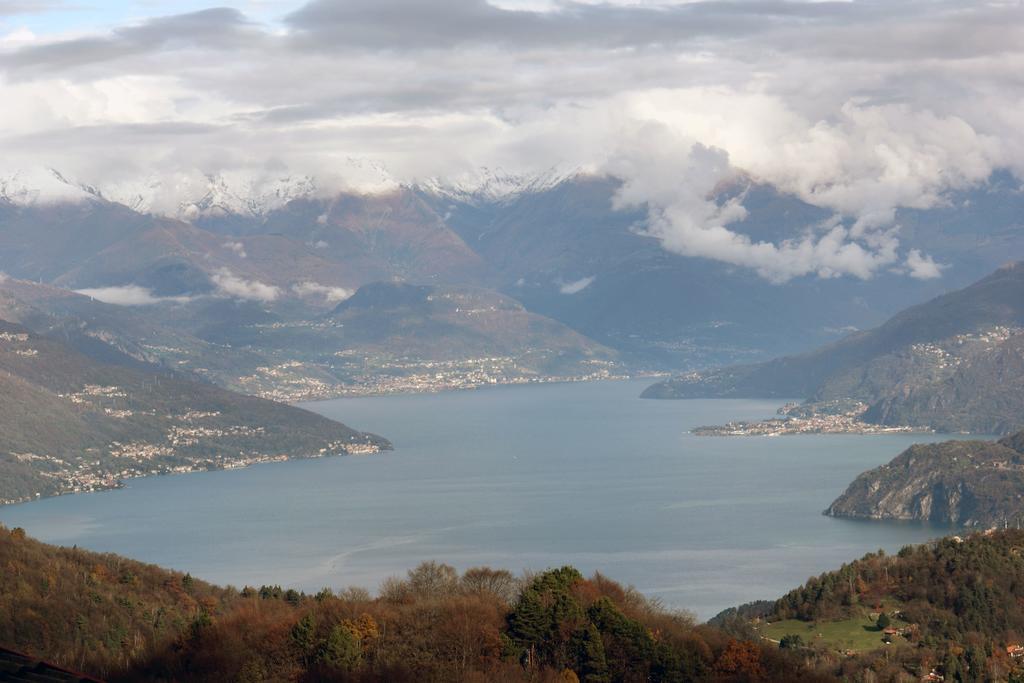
(91, 473)
(189, 444)
(294, 381)
(835, 417)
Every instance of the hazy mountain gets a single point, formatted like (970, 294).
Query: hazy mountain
(430, 322)
(68, 422)
(567, 252)
(954, 363)
(556, 242)
(400, 337)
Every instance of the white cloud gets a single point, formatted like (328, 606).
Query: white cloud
(576, 286)
(236, 247)
(332, 295)
(4, 277)
(923, 267)
(232, 285)
(861, 108)
(127, 295)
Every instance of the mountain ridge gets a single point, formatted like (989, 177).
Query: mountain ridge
(952, 363)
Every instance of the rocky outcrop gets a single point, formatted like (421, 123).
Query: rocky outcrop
(967, 483)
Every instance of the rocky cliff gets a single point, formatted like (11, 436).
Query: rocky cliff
(968, 483)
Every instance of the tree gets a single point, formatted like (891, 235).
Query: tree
(883, 621)
(304, 636)
(593, 666)
(741, 660)
(791, 641)
(343, 649)
(433, 580)
(498, 582)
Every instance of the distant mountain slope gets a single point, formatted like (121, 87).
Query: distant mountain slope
(392, 337)
(431, 322)
(395, 234)
(954, 363)
(970, 483)
(461, 337)
(567, 251)
(70, 423)
(139, 336)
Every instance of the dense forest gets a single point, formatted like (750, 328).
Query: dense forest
(126, 621)
(959, 602)
(954, 609)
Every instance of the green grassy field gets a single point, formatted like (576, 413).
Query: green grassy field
(858, 633)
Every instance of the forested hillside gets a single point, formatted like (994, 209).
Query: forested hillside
(127, 621)
(954, 606)
(92, 612)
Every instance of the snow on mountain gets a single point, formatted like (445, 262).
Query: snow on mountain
(251, 193)
(191, 195)
(246, 195)
(41, 185)
(496, 185)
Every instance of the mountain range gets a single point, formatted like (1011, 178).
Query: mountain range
(557, 243)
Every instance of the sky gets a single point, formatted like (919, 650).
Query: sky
(860, 107)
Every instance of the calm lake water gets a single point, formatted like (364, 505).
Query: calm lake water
(515, 477)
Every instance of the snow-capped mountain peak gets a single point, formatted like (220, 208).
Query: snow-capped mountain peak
(42, 185)
(247, 195)
(496, 185)
(192, 195)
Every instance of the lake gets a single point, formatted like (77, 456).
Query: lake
(520, 477)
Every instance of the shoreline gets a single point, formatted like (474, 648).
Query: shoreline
(114, 483)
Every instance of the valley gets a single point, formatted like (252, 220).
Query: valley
(511, 341)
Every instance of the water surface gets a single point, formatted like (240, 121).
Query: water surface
(517, 477)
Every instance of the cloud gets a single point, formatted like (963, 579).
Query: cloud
(577, 286)
(332, 295)
(675, 178)
(922, 267)
(14, 7)
(384, 24)
(253, 290)
(861, 108)
(216, 28)
(127, 295)
(236, 247)
(4, 277)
